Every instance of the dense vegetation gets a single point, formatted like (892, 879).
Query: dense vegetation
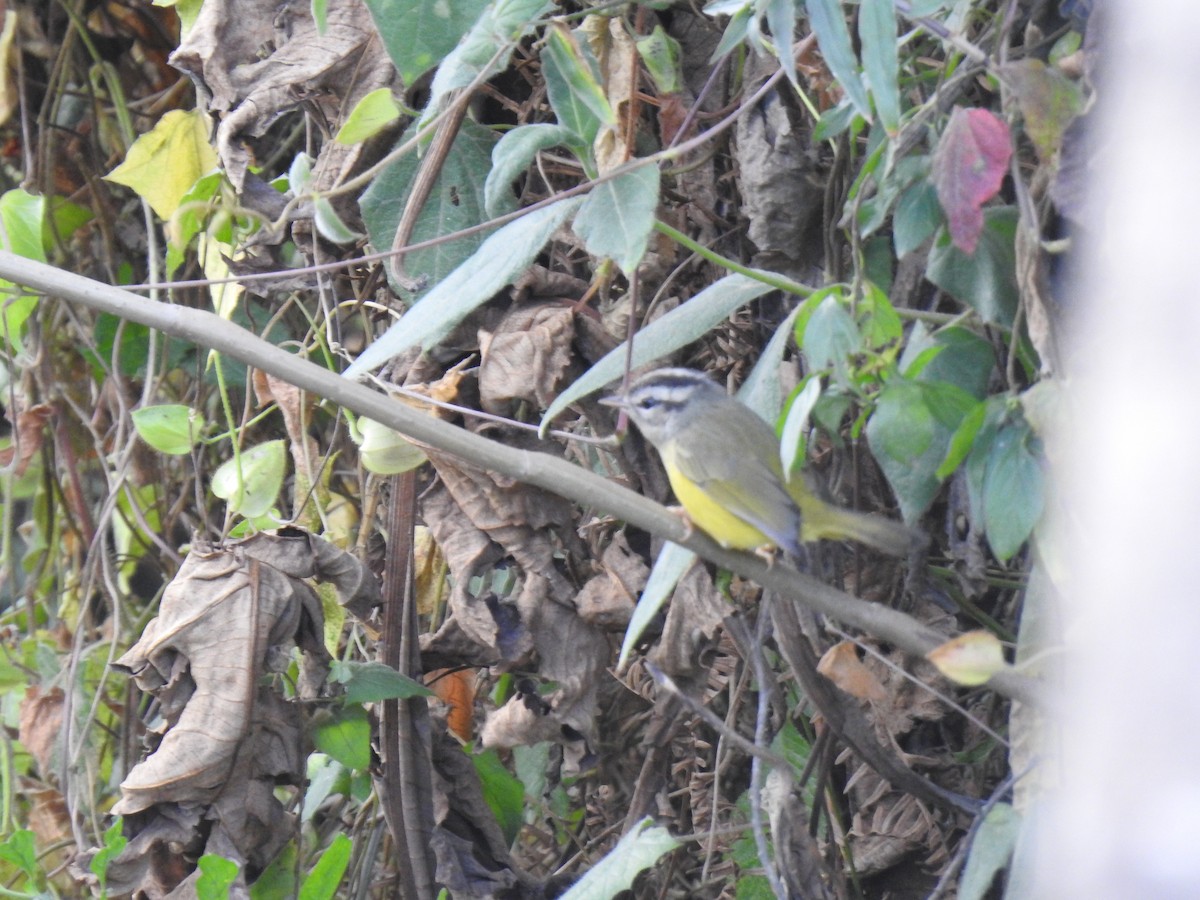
(216, 567)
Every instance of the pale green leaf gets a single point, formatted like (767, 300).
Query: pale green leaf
(639, 849)
(164, 163)
(251, 492)
(373, 113)
(170, 428)
(497, 263)
(617, 217)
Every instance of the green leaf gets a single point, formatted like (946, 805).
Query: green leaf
(417, 34)
(990, 851)
(114, 844)
(617, 217)
(880, 58)
(371, 682)
(962, 441)
(833, 36)
(345, 735)
(217, 875)
(880, 322)
(832, 339)
(278, 880)
(1013, 490)
(326, 776)
(512, 155)
(169, 428)
(671, 565)
(23, 215)
(909, 434)
(21, 851)
(497, 263)
(682, 325)
(736, 31)
(501, 25)
(834, 121)
(262, 471)
(791, 440)
(661, 54)
(639, 849)
(781, 19)
(456, 202)
(323, 881)
(384, 451)
(987, 279)
(164, 163)
(502, 791)
(373, 113)
(330, 225)
(573, 88)
(918, 215)
(966, 361)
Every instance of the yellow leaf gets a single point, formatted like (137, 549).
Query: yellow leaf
(970, 659)
(163, 164)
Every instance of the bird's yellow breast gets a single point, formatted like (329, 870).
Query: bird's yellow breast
(712, 518)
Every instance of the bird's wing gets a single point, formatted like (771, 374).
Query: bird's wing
(742, 482)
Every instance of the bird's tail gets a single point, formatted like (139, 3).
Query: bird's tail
(820, 520)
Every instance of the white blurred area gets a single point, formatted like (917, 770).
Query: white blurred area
(1126, 820)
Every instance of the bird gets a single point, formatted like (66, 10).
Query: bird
(722, 460)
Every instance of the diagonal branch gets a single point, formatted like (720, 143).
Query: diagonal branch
(543, 470)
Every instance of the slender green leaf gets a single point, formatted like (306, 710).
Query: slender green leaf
(489, 42)
(880, 57)
(497, 263)
(833, 36)
(574, 89)
(617, 217)
(781, 19)
(502, 791)
(679, 327)
(323, 881)
(671, 565)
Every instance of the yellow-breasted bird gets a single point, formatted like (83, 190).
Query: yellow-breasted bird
(723, 463)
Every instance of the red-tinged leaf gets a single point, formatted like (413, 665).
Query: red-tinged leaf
(968, 169)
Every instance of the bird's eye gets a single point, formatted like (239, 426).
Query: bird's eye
(648, 403)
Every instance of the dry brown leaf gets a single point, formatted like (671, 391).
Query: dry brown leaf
(616, 53)
(223, 53)
(456, 688)
(694, 619)
(40, 727)
(608, 599)
(230, 739)
(841, 665)
(526, 357)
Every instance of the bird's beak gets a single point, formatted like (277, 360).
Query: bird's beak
(620, 401)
